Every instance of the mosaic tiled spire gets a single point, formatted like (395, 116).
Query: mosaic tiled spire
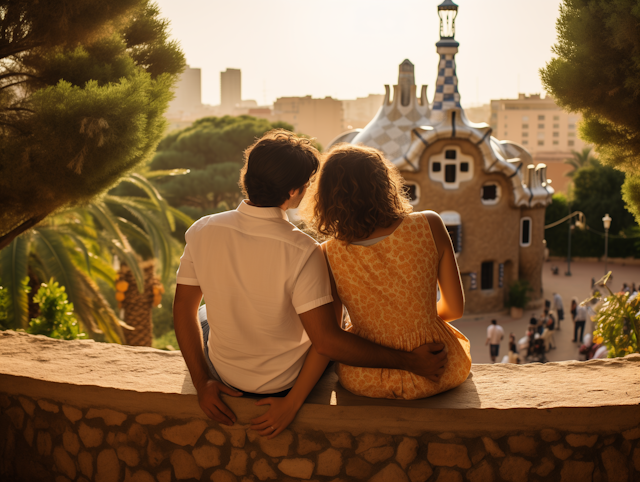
(447, 95)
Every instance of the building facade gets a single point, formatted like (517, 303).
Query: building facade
(319, 118)
(187, 93)
(230, 89)
(489, 193)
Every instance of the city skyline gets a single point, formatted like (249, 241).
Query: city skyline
(286, 48)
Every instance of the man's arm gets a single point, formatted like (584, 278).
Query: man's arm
(189, 335)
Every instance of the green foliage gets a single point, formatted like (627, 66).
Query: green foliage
(83, 88)
(597, 72)
(617, 322)
(579, 160)
(4, 307)
(56, 319)
(518, 295)
(212, 149)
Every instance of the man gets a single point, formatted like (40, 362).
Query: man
(559, 307)
(267, 290)
(579, 322)
(495, 333)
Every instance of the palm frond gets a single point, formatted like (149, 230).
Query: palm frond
(166, 172)
(13, 270)
(154, 196)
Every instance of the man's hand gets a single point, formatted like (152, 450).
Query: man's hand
(429, 361)
(212, 405)
(277, 418)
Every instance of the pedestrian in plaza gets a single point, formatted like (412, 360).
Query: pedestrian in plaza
(578, 322)
(559, 307)
(574, 308)
(495, 333)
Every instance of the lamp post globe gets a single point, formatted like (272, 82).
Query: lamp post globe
(447, 11)
(606, 220)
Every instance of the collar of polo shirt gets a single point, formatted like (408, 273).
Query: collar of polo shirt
(262, 212)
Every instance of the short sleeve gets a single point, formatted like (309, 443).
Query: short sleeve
(312, 288)
(186, 274)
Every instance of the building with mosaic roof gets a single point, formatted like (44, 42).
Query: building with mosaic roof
(490, 195)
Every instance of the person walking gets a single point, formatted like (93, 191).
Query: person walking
(578, 322)
(495, 333)
(559, 307)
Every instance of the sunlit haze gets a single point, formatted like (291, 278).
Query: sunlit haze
(351, 48)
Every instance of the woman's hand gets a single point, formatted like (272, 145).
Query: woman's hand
(277, 418)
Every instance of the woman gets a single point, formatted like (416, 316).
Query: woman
(386, 264)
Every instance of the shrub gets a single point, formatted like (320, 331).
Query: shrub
(56, 318)
(518, 295)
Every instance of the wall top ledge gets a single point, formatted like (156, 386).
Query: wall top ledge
(86, 373)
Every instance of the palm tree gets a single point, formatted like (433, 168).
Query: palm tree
(579, 160)
(77, 248)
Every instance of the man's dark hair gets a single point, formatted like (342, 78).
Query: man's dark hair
(275, 164)
(494, 322)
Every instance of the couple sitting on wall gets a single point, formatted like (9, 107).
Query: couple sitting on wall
(274, 297)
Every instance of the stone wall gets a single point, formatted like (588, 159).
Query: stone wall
(84, 411)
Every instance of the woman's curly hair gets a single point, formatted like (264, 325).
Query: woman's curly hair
(357, 191)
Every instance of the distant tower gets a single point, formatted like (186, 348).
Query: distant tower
(187, 92)
(230, 88)
(406, 80)
(447, 95)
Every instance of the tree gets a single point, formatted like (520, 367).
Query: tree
(212, 149)
(597, 72)
(579, 159)
(83, 86)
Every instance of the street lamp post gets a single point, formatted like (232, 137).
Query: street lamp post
(607, 224)
(568, 273)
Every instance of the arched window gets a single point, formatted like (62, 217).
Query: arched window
(525, 232)
(450, 167)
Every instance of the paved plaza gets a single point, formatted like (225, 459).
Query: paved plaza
(475, 326)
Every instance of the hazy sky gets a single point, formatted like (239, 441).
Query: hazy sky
(351, 48)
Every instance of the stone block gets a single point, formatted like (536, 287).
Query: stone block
(27, 405)
(110, 417)
(581, 440)
(48, 406)
(237, 435)
(448, 455)
(72, 413)
(5, 402)
(277, 446)
(407, 451)
(545, 467)
(636, 458)
(90, 436)
(43, 442)
(263, 470)
(221, 475)
(358, 468)
(16, 414)
(216, 437)
(139, 476)
(299, 468)
(483, 472)
(574, 470)
(492, 447)
(71, 442)
(111, 438)
(206, 456)
(391, 472)
(149, 419)
(549, 435)
(340, 440)
(164, 475)
(64, 462)
(184, 465)
(449, 475)
(85, 462)
(185, 434)
(522, 444)
(128, 455)
(515, 469)
(238, 462)
(631, 434)
(29, 432)
(155, 454)
(370, 440)
(107, 466)
(625, 447)
(307, 444)
(420, 471)
(329, 462)
(377, 454)
(137, 434)
(561, 452)
(615, 465)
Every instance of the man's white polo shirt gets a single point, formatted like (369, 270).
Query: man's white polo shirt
(257, 272)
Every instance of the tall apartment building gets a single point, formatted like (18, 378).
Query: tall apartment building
(360, 111)
(319, 118)
(543, 128)
(187, 93)
(230, 89)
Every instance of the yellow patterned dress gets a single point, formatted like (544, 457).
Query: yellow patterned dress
(389, 289)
